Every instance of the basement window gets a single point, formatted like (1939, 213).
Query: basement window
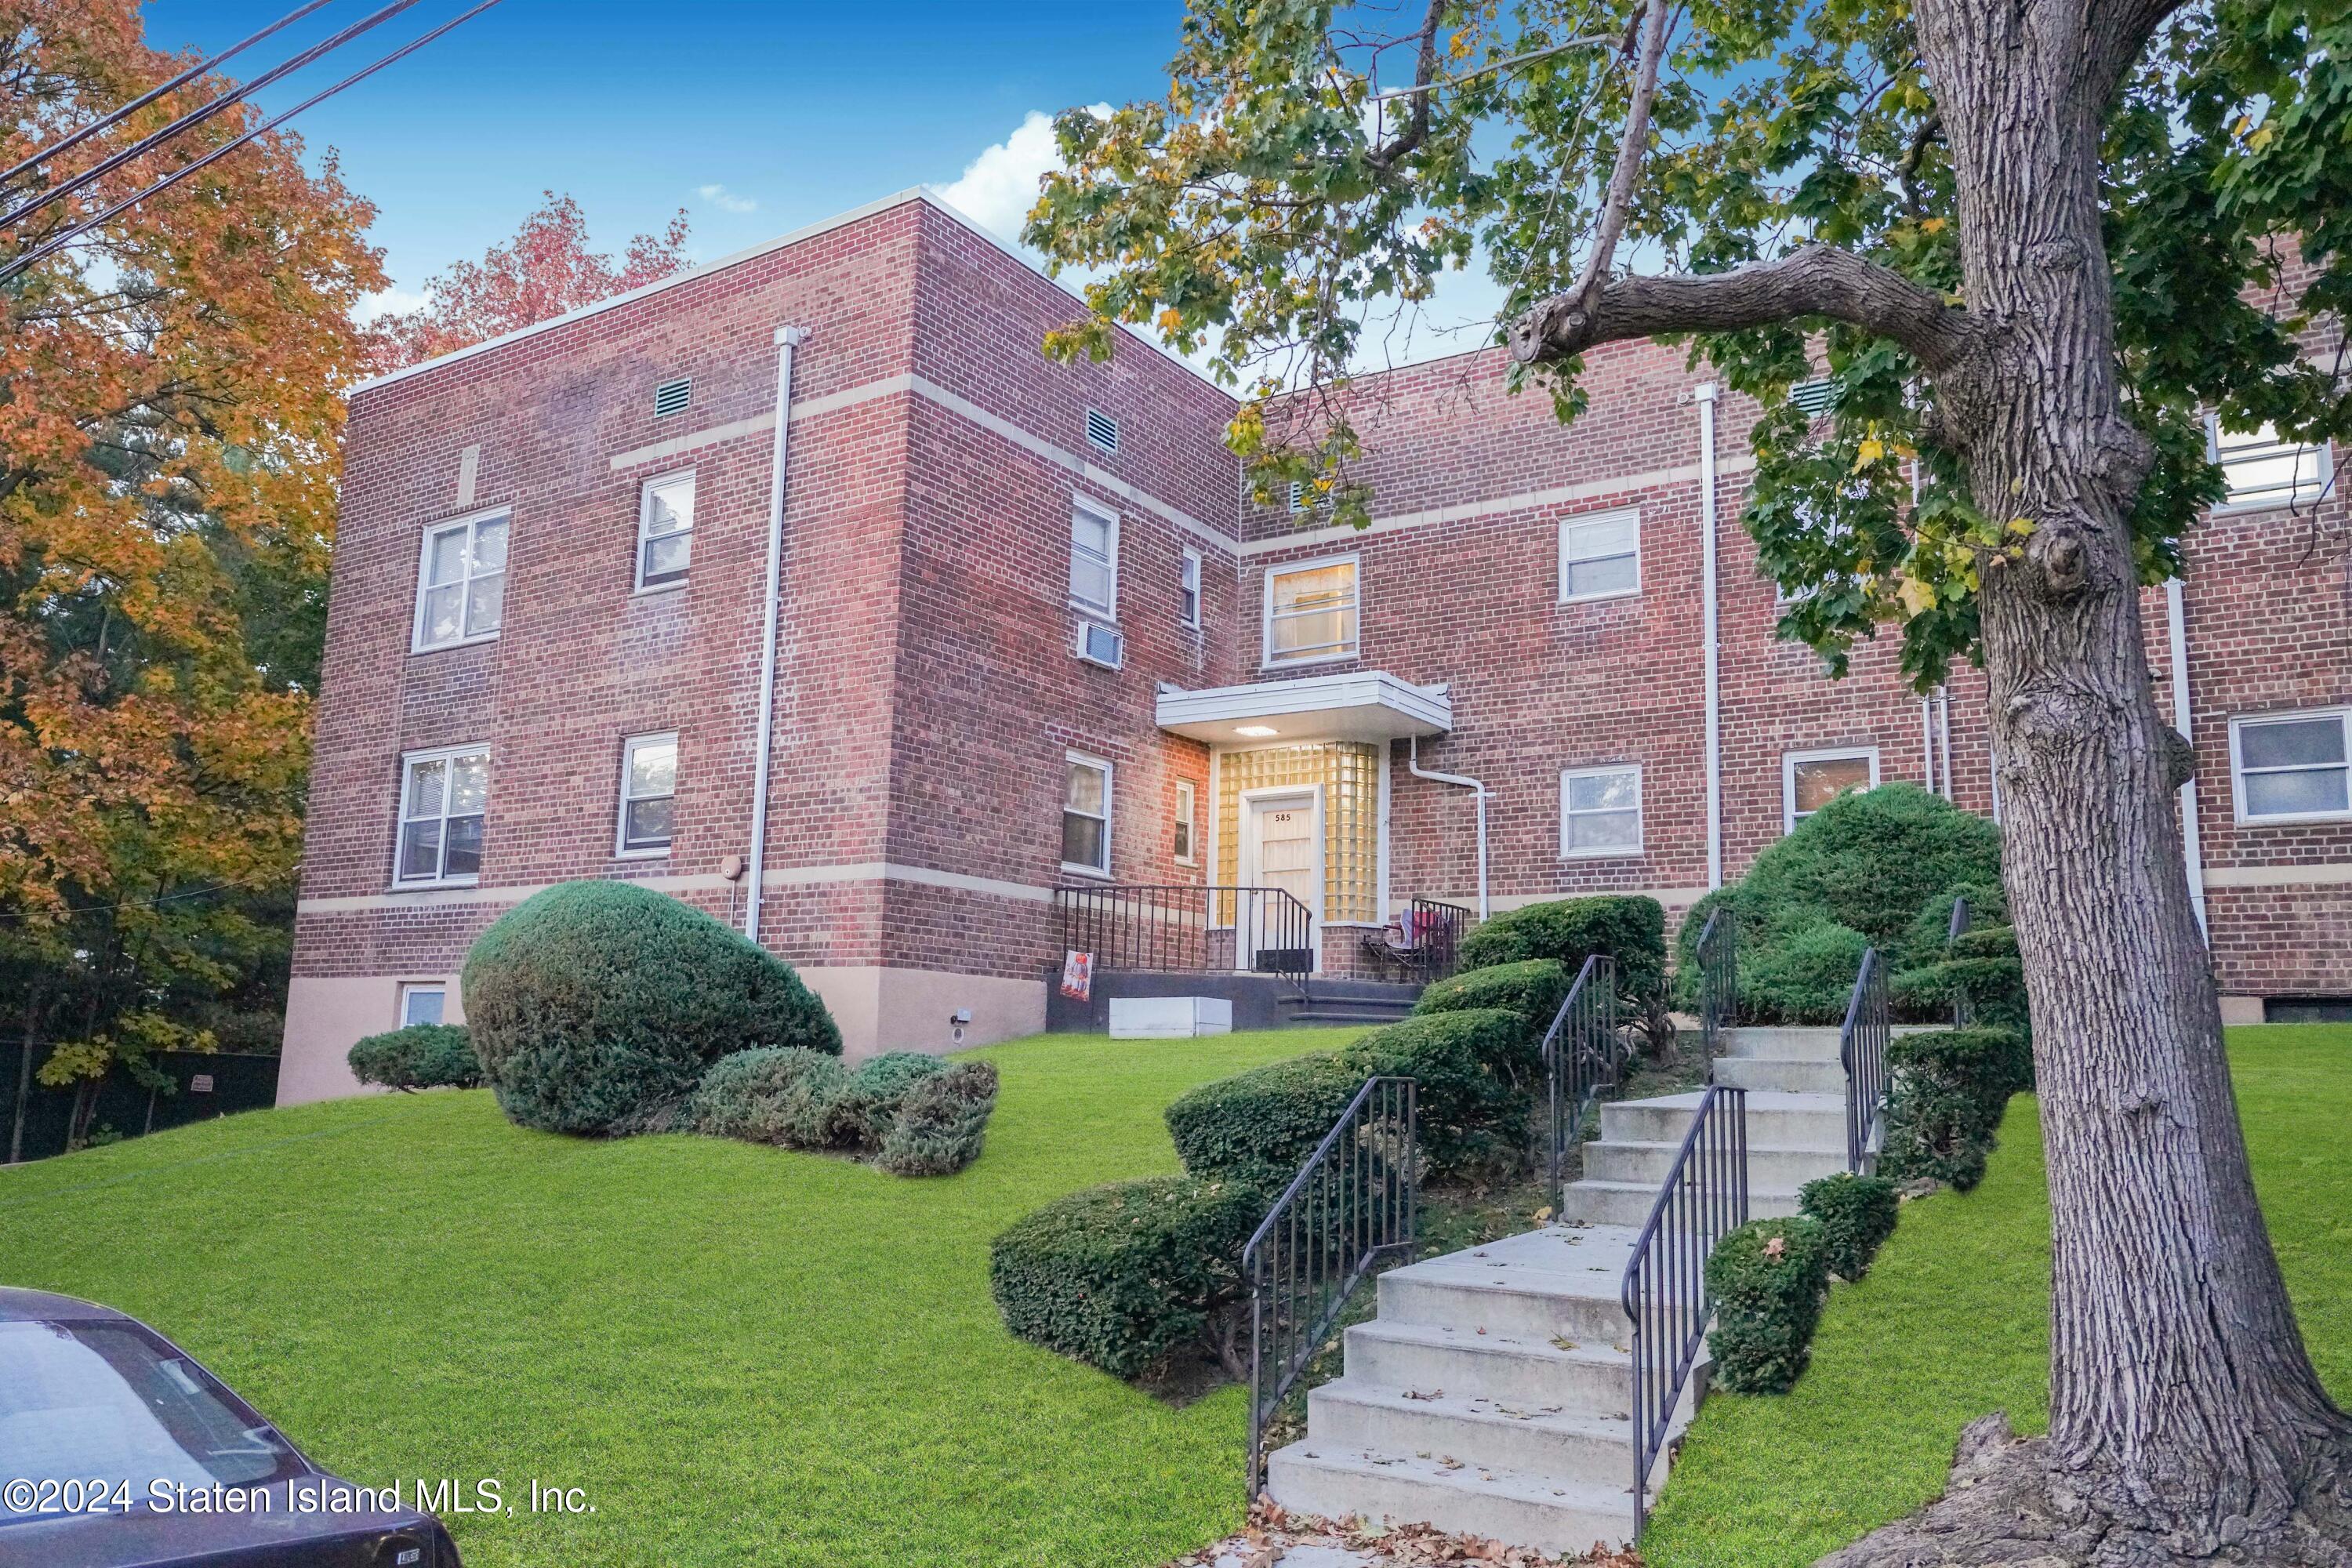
(423, 1002)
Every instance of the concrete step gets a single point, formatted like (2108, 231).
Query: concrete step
(1560, 1282)
(1786, 1075)
(1809, 1043)
(1499, 1434)
(1780, 1169)
(1578, 1376)
(1775, 1119)
(1629, 1203)
(1550, 1513)
(1330, 1017)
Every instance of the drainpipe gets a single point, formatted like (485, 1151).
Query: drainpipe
(2176, 626)
(1413, 765)
(1927, 740)
(1704, 395)
(787, 340)
(1944, 733)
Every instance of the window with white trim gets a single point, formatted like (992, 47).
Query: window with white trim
(1601, 557)
(461, 582)
(1094, 558)
(1085, 815)
(444, 795)
(649, 794)
(665, 530)
(1188, 815)
(1311, 611)
(2292, 767)
(1188, 588)
(423, 1002)
(1811, 780)
(1600, 811)
(2264, 471)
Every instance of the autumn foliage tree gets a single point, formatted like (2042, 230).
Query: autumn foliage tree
(171, 404)
(2031, 245)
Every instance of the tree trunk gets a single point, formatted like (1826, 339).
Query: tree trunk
(2186, 1419)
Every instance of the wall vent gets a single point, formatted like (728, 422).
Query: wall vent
(673, 396)
(1298, 495)
(1102, 430)
(1815, 398)
(1102, 644)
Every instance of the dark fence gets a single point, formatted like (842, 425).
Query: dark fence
(1188, 928)
(1718, 979)
(1584, 1056)
(1861, 1047)
(1354, 1204)
(203, 1085)
(1664, 1291)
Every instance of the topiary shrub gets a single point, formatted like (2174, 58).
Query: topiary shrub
(1768, 1279)
(1259, 1126)
(1857, 1214)
(1469, 1114)
(421, 1056)
(1950, 1088)
(1124, 1277)
(1807, 977)
(1982, 971)
(593, 1001)
(1532, 987)
(1627, 927)
(940, 1122)
(1928, 937)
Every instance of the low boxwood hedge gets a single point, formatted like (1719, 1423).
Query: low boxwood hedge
(1471, 1112)
(421, 1056)
(1857, 1213)
(1628, 927)
(1768, 1279)
(1259, 1126)
(1805, 977)
(1126, 1275)
(1950, 1088)
(1531, 987)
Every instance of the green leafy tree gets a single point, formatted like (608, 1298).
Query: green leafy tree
(2031, 246)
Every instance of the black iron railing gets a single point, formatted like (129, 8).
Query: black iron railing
(1664, 1291)
(1354, 1204)
(1436, 930)
(1188, 928)
(1962, 1009)
(1584, 1056)
(1719, 980)
(1861, 1047)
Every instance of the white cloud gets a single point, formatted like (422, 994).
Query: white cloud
(392, 301)
(999, 187)
(725, 200)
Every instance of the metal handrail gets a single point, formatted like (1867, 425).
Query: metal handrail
(1189, 928)
(1584, 1055)
(1355, 1201)
(1437, 930)
(1862, 1048)
(1718, 979)
(1665, 1288)
(1962, 1010)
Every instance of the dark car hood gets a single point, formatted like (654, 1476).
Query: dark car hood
(278, 1538)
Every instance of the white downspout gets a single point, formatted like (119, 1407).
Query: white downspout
(1927, 740)
(2176, 626)
(787, 340)
(1944, 743)
(1413, 765)
(1704, 395)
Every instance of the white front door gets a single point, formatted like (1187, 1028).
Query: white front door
(1282, 847)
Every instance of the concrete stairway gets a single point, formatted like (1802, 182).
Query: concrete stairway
(1493, 1394)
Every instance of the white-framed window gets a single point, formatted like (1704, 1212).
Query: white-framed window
(1600, 811)
(1601, 557)
(1811, 780)
(2264, 471)
(423, 1002)
(649, 794)
(2291, 767)
(665, 530)
(461, 581)
(444, 795)
(1094, 557)
(1086, 815)
(1188, 822)
(1312, 611)
(1187, 589)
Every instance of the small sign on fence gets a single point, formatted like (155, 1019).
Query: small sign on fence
(202, 1083)
(1078, 976)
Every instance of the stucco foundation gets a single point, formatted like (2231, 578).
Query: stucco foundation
(327, 1016)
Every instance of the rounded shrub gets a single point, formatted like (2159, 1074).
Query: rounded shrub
(593, 1001)
(1531, 987)
(939, 1124)
(1805, 978)
(1470, 1113)
(1857, 1213)
(1768, 1279)
(421, 1056)
(1949, 1088)
(788, 1096)
(1629, 928)
(1259, 1126)
(873, 1094)
(1124, 1277)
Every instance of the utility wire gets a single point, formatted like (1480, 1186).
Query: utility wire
(66, 237)
(143, 100)
(199, 115)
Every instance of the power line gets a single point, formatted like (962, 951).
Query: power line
(125, 904)
(66, 237)
(145, 99)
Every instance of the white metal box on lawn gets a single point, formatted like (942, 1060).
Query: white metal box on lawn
(1169, 1017)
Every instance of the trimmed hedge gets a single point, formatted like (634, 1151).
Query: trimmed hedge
(592, 1002)
(787, 1096)
(1532, 987)
(912, 1115)
(1469, 1114)
(1629, 928)
(1949, 1088)
(1259, 1126)
(1857, 1214)
(940, 1123)
(421, 1056)
(1123, 1277)
(1768, 1279)
(1807, 977)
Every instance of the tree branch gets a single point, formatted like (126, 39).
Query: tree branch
(1630, 149)
(1814, 280)
(2116, 32)
(1416, 130)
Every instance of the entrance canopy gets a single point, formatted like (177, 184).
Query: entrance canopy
(1360, 705)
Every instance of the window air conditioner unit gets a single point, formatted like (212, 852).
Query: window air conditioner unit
(1101, 645)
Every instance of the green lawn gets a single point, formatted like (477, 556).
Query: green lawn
(1951, 1324)
(743, 1355)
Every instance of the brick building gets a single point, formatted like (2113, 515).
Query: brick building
(1029, 633)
